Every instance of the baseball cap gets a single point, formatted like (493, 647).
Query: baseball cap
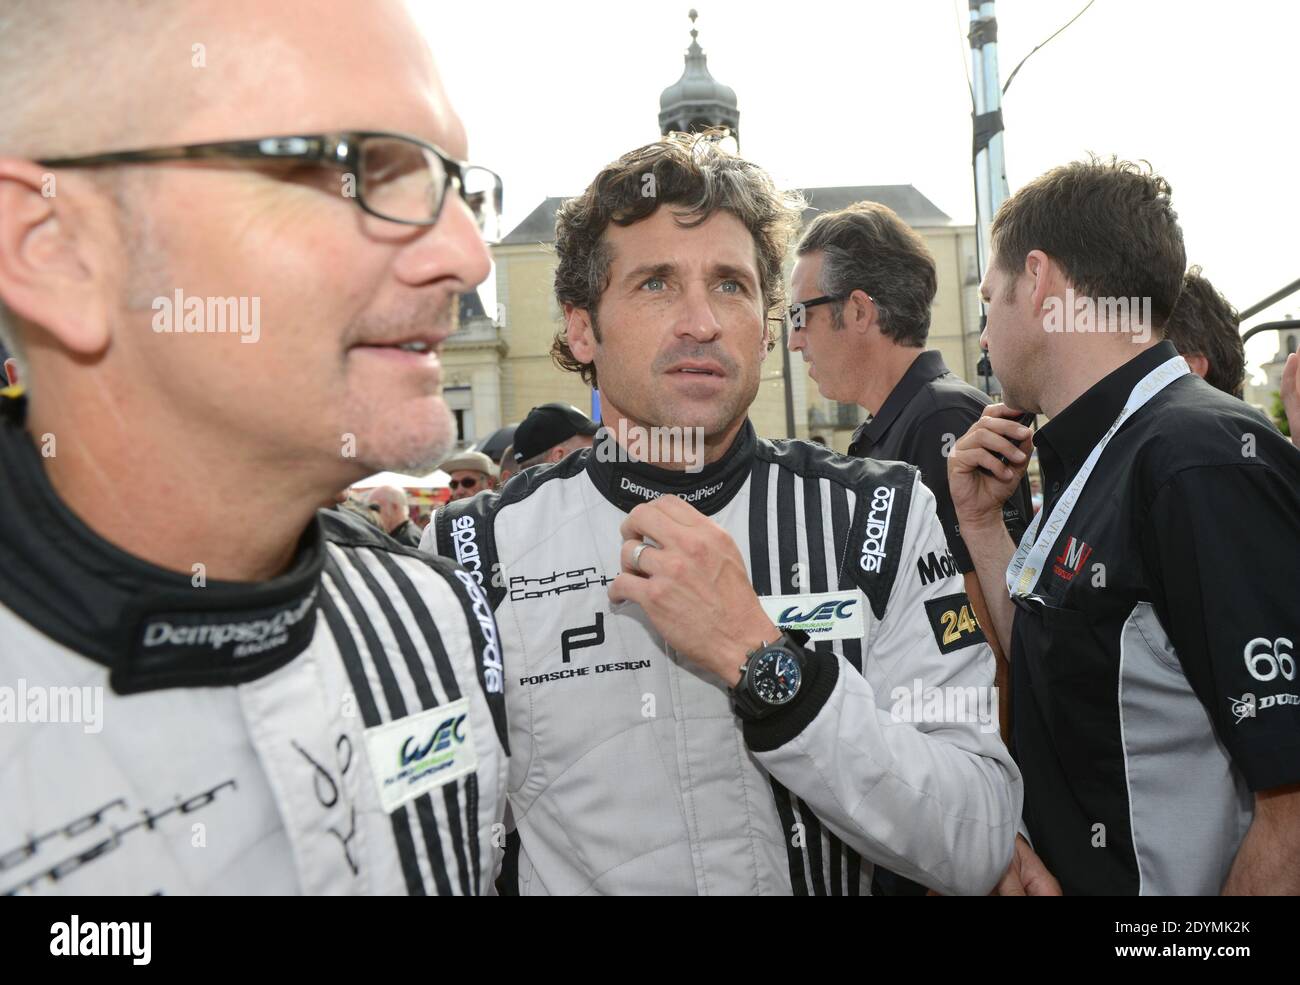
(548, 425)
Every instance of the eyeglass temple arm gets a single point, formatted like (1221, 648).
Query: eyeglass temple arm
(310, 149)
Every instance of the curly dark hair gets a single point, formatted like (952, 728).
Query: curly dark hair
(1108, 223)
(693, 172)
(1205, 323)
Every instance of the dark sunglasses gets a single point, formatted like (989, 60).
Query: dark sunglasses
(796, 316)
(462, 483)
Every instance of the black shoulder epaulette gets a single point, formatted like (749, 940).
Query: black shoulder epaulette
(883, 497)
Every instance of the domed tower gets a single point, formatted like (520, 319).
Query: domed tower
(697, 101)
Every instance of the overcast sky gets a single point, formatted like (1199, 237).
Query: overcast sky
(875, 92)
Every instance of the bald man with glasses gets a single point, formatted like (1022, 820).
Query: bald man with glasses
(325, 703)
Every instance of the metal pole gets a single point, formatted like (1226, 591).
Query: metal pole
(980, 156)
(998, 191)
(989, 160)
(1273, 298)
(1270, 326)
(786, 380)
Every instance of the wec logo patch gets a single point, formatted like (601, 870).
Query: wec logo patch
(421, 752)
(822, 615)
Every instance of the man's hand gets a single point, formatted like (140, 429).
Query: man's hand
(693, 585)
(1268, 861)
(1027, 875)
(978, 497)
(1291, 395)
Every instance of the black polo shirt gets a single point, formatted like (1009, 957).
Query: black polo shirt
(919, 422)
(1153, 671)
(924, 415)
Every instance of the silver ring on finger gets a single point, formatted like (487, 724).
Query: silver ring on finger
(636, 558)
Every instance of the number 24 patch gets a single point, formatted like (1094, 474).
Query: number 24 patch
(952, 618)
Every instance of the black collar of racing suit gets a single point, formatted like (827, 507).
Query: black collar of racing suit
(152, 628)
(627, 483)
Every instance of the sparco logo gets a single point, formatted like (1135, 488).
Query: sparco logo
(493, 675)
(463, 534)
(873, 543)
(934, 566)
(646, 493)
(252, 637)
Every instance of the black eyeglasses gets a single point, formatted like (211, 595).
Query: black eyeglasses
(796, 316)
(465, 483)
(396, 177)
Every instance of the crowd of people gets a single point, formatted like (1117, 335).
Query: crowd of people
(545, 435)
(785, 671)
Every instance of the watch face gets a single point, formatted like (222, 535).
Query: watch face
(775, 675)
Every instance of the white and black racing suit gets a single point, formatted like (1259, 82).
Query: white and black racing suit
(630, 773)
(337, 729)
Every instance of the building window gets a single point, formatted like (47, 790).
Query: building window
(847, 415)
(460, 400)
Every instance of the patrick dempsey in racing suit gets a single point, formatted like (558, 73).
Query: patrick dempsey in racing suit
(735, 677)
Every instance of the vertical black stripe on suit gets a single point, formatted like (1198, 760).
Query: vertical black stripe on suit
(428, 628)
(371, 645)
(400, 819)
(787, 545)
(425, 694)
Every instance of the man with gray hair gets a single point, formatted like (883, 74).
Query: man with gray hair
(394, 514)
(862, 290)
(329, 708)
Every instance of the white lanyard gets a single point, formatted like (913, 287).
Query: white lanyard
(1023, 571)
